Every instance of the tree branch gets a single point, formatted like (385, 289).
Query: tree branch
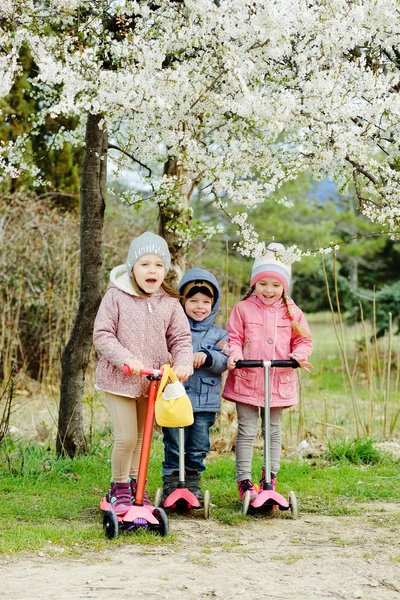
(112, 147)
(360, 169)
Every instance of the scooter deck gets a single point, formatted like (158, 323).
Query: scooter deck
(270, 497)
(133, 513)
(181, 495)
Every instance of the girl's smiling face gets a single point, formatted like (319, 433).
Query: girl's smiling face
(149, 272)
(269, 290)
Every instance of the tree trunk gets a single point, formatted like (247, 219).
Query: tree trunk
(71, 438)
(175, 214)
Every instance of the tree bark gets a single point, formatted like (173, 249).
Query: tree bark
(175, 214)
(71, 437)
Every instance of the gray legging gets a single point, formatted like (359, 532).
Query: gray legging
(127, 416)
(246, 434)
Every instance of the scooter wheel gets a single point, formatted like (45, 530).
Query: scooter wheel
(293, 505)
(206, 504)
(110, 524)
(158, 496)
(246, 502)
(162, 527)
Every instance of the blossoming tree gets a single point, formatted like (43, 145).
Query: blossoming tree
(229, 99)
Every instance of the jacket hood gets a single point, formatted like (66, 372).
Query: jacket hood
(120, 278)
(197, 274)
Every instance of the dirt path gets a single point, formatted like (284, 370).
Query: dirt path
(314, 557)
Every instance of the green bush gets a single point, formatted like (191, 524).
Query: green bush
(356, 452)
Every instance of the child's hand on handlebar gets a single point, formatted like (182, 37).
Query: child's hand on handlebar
(183, 372)
(232, 360)
(304, 364)
(136, 366)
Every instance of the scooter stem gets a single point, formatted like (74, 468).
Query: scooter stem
(181, 455)
(146, 443)
(267, 434)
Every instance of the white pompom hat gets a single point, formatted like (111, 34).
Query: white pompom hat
(270, 266)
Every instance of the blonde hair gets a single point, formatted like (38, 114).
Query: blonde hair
(296, 326)
(168, 289)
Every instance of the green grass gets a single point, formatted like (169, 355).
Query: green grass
(52, 504)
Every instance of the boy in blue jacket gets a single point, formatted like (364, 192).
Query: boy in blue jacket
(200, 298)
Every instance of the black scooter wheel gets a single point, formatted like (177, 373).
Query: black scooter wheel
(110, 524)
(162, 527)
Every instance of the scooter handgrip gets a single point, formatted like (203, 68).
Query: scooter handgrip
(285, 363)
(146, 371)
(150, 371)
(249, 364)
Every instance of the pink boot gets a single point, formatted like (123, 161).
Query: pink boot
(262, 481)
(120, 497)
(146, 501)
(245, 485)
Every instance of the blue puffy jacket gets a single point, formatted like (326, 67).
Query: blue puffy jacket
(204, 386)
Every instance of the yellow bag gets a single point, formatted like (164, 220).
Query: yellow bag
(173, 407)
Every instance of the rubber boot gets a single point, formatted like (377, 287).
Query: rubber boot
(170, 483)
(193, 480)
(120, 497)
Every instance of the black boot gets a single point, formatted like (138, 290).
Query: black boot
(170, 483)
(193, 479)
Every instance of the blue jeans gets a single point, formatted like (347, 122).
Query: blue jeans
(197, 444)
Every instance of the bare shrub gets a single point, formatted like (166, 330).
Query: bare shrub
(39, 268)
(6, 398)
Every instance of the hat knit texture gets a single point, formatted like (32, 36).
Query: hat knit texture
(148, 243)
(270, 266)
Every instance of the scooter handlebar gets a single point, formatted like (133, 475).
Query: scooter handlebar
(253, 364)
(146, 371)
(249, 364)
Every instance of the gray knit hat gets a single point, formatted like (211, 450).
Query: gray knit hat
(148, 243)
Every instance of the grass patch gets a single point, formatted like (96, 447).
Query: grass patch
(357, 452)
(52, 504)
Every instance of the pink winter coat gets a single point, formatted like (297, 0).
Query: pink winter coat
(261, 332)
(128, 327)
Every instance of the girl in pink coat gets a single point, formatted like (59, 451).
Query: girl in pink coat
(265, 325)
(139, 321)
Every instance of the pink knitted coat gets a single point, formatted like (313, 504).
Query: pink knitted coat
(128, 327)
(261, 332)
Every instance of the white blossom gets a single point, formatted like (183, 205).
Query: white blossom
(246, 95)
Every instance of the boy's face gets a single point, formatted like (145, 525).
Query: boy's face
(198, 307)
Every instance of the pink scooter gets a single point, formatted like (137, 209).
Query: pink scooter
(267, 497)
(182, 499)
(139, 515)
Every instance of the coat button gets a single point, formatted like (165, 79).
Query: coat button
(244, 373)
(270, 341)
(287, 378)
